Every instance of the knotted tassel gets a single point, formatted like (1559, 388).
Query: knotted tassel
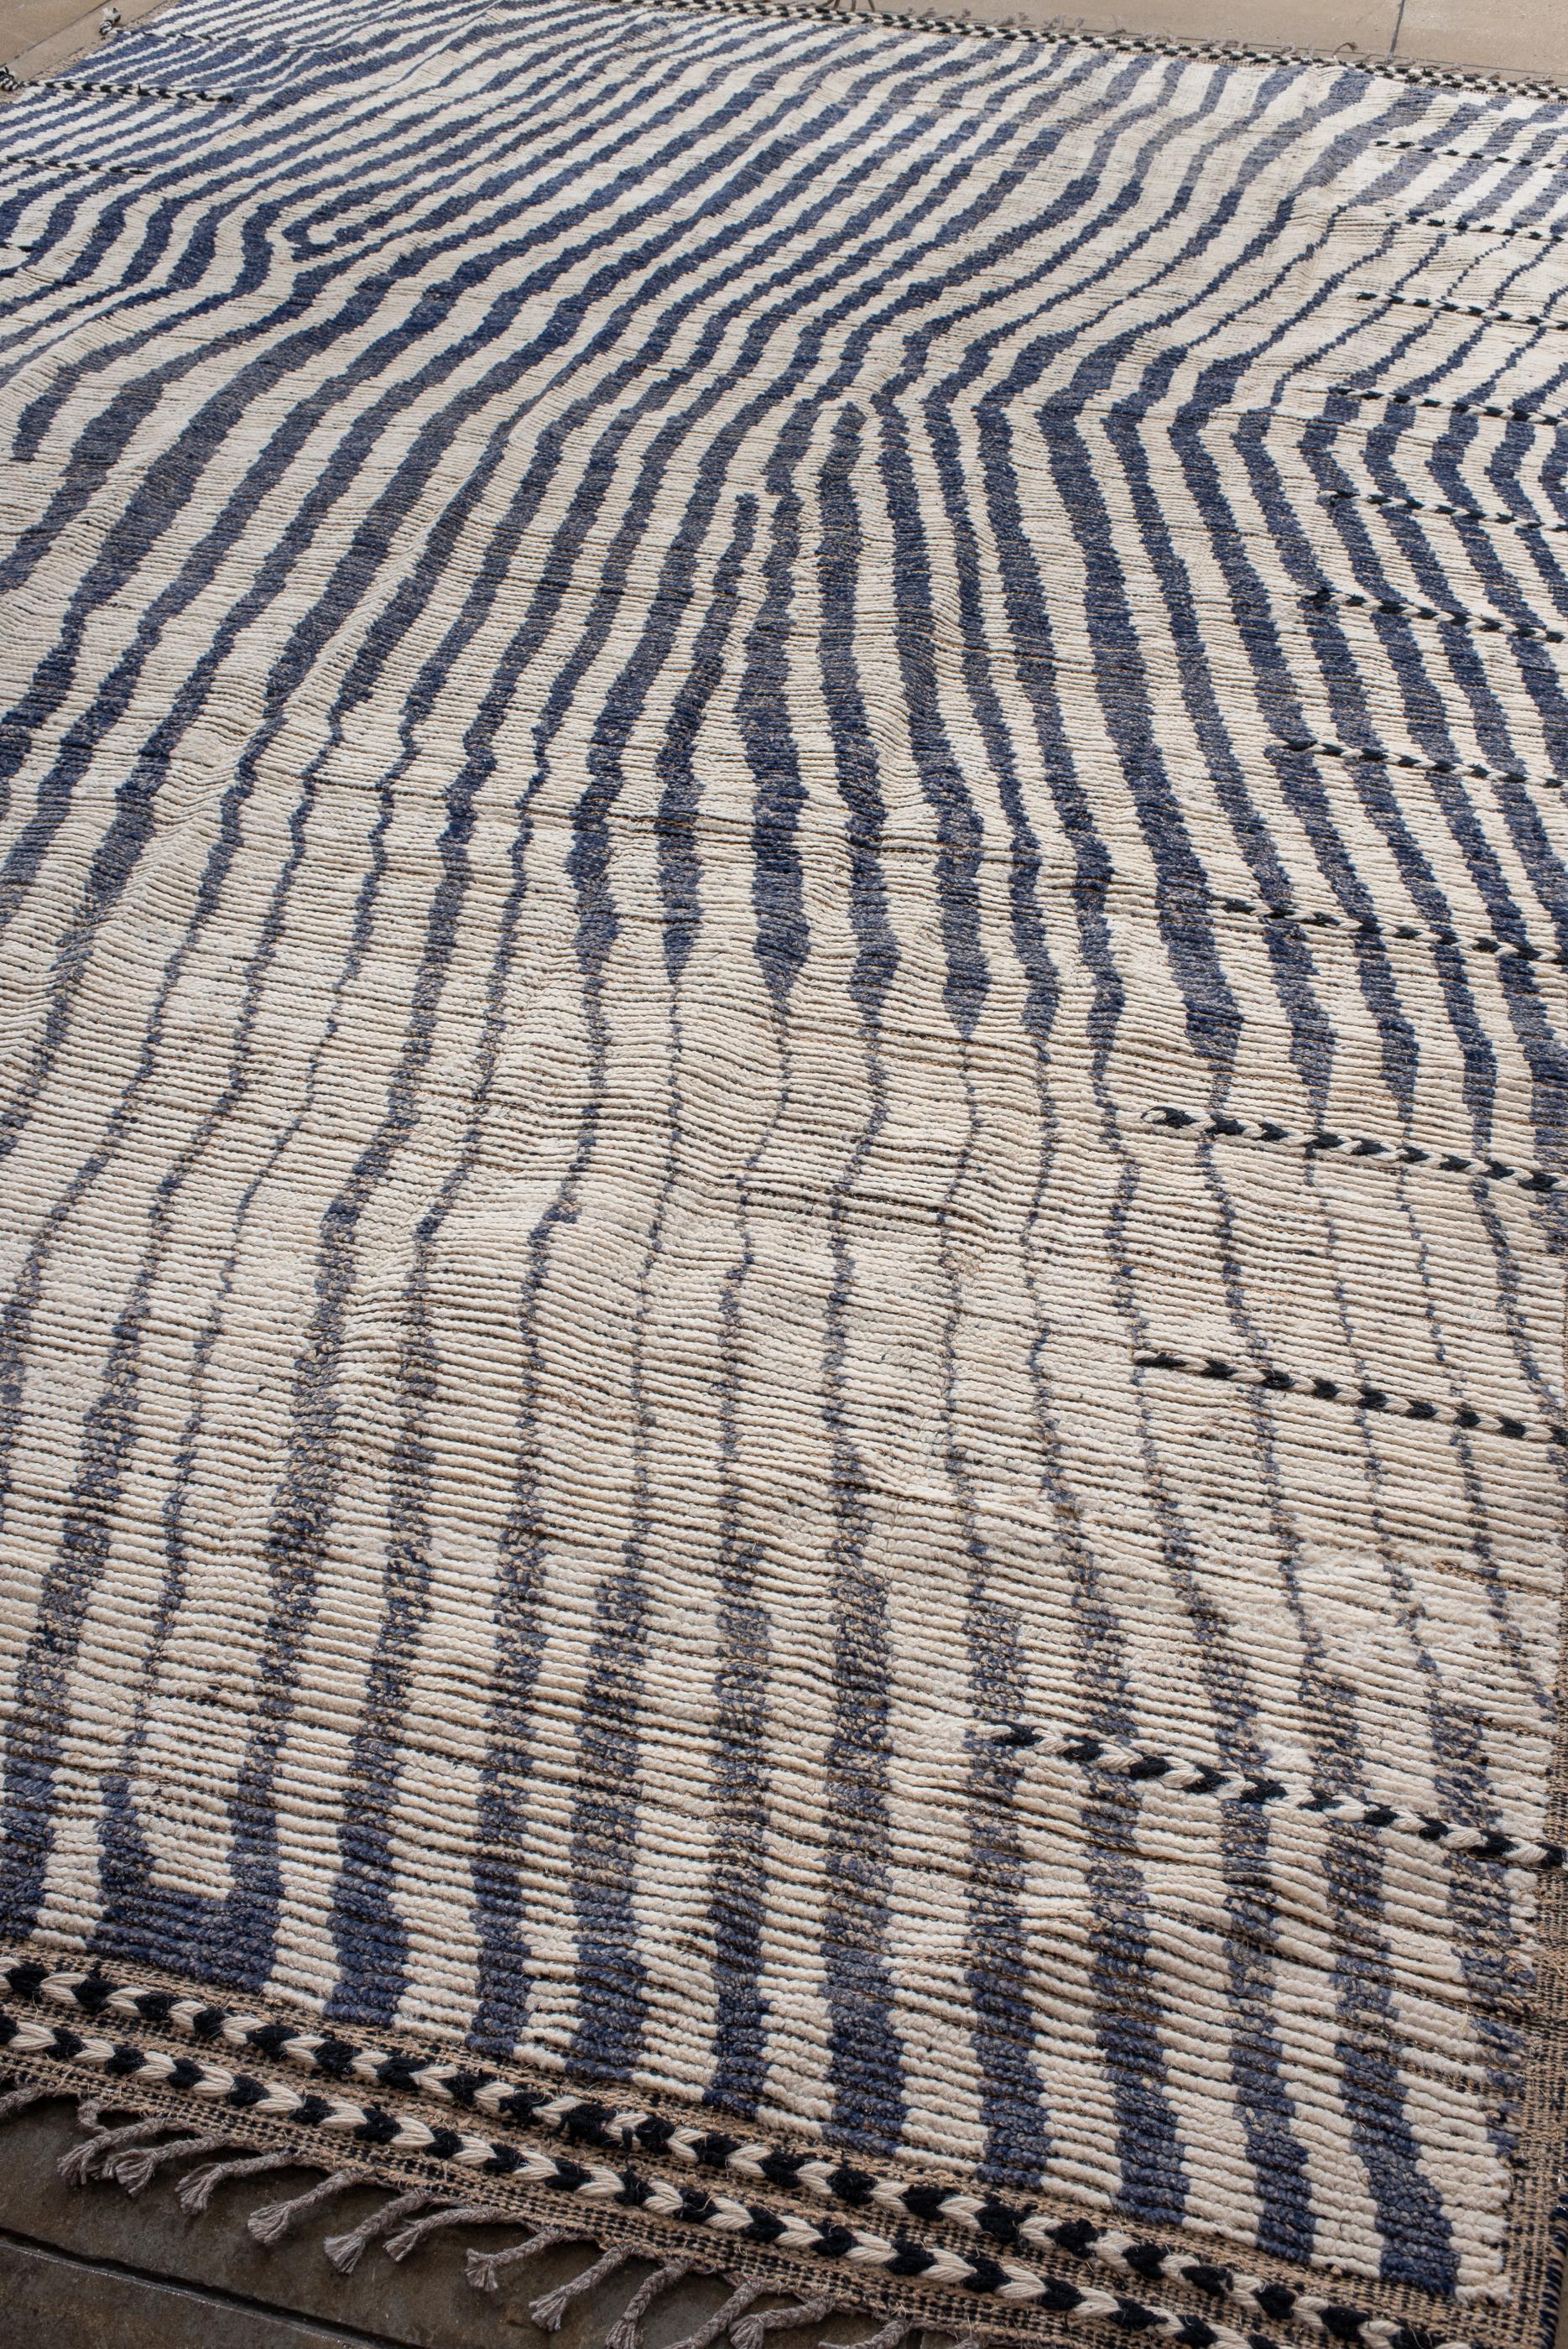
(272, 2222)
(17, 2100)
(485, 2269)
(626, 2333)
(749, 2333)
(197, 2188)
(723, 2318)
(890, 2335)
(77, 2166)
(547, 2312)
(136, 2168)
(457, 2214)
(345, 2250)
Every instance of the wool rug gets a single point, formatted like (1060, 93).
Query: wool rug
(782, 1360)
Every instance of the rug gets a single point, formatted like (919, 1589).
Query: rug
(781, 1367)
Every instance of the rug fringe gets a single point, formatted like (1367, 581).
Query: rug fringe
(547, 2312)
(345, 2251)
(135, 2171)
(740, 2300)
(1139, 2262)
(274, 2220)
(196, 2189)
(451, 2214)
(626, 2333)
(485, 2269)
(891, 2334)
(83, 2162)
(750, 2332)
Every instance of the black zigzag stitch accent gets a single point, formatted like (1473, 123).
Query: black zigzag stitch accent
(1323, 1144)
(1465, 310)
(1438, 506)
(1372, 757)
(592, 2124)
(1471, 155)
(65, 163)
(1367, 926)
(1511, 415)
(1359, 1397)
(1325, 599)
(599, 2184)
(1484, 626)
(138, 89)
(1144, 1766)
(1489, 228)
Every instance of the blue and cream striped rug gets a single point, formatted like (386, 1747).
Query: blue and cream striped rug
(781, 1352)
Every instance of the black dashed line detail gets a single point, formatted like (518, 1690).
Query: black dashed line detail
(1449, 407)
(1368, 927)
(1469, 1416)
(1436, 506)
(136, 89)
(1323, 748)
(1328, 599)
(1471, 155)
(1487, 228)
(1425, 77)
(1146, 1765)
(1216, 1127)
(63, 163)
(1466, 310)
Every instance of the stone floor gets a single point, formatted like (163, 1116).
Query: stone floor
(87, 2267)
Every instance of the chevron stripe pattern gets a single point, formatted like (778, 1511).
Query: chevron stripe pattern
(782, 858)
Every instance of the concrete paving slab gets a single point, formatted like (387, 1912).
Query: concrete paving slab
(1523, 37)
(55, 2301)
(37, 37)
(1365, 26)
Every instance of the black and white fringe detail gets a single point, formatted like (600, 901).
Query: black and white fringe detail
(1325, 1143)
(590, 2125)
(1152, 44)
(1329, 599)
(1349, 1391)
(890, 2257)
(1144, 1766)
(120, 2155)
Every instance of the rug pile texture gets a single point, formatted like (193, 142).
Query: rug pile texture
(781, 1340)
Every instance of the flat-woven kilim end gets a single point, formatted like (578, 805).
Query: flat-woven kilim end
(786, 1161)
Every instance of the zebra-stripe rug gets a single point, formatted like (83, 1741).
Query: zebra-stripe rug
(781, 1350)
